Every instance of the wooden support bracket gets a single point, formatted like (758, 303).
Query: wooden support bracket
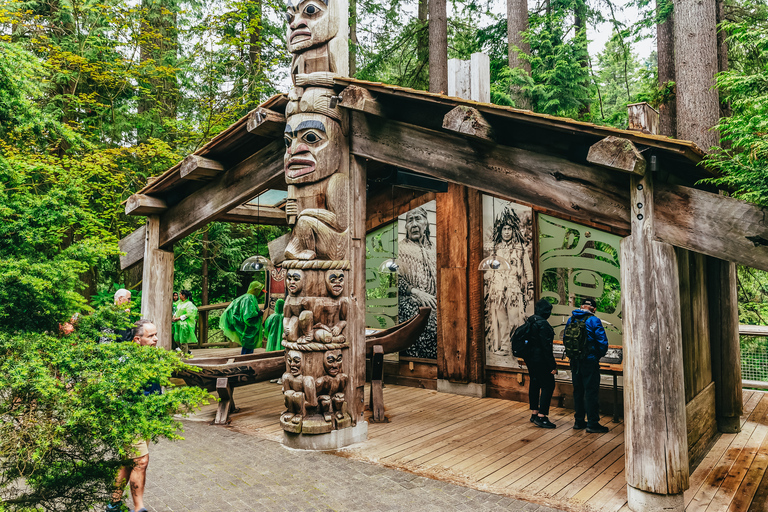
(617, 154)
(469, 121)
(140, 204)
(361, 99)
(377, 391)
(196, 167)
(265, 123)
(227, 401)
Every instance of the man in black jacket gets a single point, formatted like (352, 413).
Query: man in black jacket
(542, 367)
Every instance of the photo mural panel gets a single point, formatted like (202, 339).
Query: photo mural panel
(381, 308)
(417, 275)
(508, 294)
(578, 262)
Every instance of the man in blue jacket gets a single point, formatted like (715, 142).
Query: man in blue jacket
(585, 372)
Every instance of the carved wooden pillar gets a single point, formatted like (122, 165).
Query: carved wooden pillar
(656, 443)
(325, 255)
(157, 284)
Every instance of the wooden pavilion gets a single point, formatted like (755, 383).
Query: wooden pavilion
(680, 241)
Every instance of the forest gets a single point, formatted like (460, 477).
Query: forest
(97, 97)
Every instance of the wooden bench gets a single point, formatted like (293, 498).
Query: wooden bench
(611, 364)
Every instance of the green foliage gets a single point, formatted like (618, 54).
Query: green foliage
(617, 79)
(743, 157)
(71, 408)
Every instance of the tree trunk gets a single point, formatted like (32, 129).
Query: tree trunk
(722, 53)
(422, 41)
(695, 67)
(517, 23)
(665, 50)
(438, 47)
(254, 51)
(580, 26)
(353, 37)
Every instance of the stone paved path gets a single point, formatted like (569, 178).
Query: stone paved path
(215, 469)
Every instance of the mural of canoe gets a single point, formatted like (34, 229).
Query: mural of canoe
(248, 369)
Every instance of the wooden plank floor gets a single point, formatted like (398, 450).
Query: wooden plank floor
(489, 444)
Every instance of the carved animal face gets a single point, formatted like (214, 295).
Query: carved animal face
(294, 281)
(334, 281)
(332, 362)
(312, 148)
(294, 359)
(311, 23)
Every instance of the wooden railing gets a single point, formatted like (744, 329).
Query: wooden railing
(202, 333)
(755, 331)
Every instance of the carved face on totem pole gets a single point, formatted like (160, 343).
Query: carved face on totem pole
(294, 281)
(312, 148)
(294, 359)
(332, 362)
(334, 282)
(311, 23)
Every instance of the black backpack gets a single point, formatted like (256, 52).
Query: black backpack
(521, 340)
(575, 338)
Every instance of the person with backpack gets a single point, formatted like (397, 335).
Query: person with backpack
(585, 343)
(540, 360)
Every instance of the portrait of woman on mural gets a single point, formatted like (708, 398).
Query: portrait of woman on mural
(417, 280)
(508, 293)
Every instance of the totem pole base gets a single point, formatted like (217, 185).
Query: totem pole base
(333, 440)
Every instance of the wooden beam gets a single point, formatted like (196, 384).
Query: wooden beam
(196, 167)
(139, 204)
(265, 123)
(617, 154)
(360, 99)
(693, 219)
(711, 224)
(561, 186)
(262, 215)
(133, 247)
(232, 188)
(469, 121)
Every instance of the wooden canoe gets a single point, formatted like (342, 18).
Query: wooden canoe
(251, 368)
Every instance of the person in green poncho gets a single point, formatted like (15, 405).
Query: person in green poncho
(241, 321)
(184, 321)
(274, 327)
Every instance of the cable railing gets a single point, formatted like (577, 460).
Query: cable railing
(754, 356)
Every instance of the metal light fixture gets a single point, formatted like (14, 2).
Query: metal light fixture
(390, 266)
(258, 262)
(494, 262)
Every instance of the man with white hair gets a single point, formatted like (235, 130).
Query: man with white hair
(122, 296)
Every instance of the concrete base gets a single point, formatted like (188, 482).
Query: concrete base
(729, 425)
(333, 440)
(643, 501)
(460, 388)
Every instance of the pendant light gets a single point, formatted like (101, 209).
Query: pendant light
(258, 262)
(494, 262)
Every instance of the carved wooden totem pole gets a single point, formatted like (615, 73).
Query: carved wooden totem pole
(317, 307)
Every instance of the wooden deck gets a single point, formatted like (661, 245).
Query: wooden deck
(489, 444)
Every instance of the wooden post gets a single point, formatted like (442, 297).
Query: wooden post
(358, 179)
(157, 284)
(724, 343)
(204, 286)
(656, 444)
(377, 391)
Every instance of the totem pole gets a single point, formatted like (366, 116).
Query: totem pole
(317, 255)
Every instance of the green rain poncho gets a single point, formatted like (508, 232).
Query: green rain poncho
(184, 330)
(274, 327)
(241, 321)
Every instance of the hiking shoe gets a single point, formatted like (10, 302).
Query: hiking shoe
(597, 429)
(579, 425)
(543, 422)
(114, 507)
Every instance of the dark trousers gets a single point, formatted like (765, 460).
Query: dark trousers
(586, 386)
(540, 388)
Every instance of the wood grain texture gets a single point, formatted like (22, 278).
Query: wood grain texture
(232, 188)
(724, 342)
(157, 284)
(469, 121)
(249, 214)
(196, 167)
(140, 204)
(265, 122)
(476, 352)
(654, 393)
(383, 200)
(701, 422)
(357, 198)
(617, 154)
(133, 247)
